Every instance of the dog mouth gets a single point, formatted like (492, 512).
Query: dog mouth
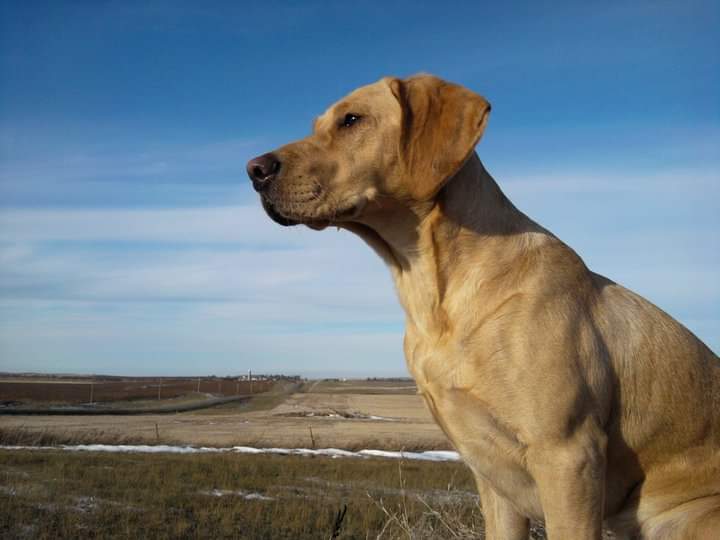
(276, 216)
(346, 213)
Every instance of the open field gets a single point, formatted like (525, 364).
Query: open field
(55, 494)
(65, 494)
(312, 416)
(51, 494)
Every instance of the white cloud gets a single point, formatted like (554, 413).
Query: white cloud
(236, 265)
(233, 291)
(222, 289)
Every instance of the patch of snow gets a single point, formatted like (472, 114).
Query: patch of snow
(85, 504)
(431, 455)
(248, 495)
(246, 450)
(8, 490)
(257, 496)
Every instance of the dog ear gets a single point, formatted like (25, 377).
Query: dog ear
(441, 124)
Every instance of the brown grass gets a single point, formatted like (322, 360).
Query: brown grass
(48, 494)
(19, 436)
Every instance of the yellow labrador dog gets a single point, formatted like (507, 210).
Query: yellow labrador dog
(572, 399)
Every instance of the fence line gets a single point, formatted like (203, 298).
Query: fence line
(99, 391)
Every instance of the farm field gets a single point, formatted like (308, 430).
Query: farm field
(87, 390)
(313, 415)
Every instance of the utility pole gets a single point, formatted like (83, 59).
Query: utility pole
(198, 390)
(250, 377)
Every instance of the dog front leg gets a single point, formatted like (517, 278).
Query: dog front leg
(570, 476)
(502, 520)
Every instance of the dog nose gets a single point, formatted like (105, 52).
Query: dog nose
(262, 170)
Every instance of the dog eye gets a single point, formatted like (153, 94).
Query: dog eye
(349, 120)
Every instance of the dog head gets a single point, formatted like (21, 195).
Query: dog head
(394, 140)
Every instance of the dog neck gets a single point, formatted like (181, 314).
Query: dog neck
(470, 220)
(470, 205)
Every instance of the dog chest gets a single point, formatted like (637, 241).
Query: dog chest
(488, 442)
(488, 447)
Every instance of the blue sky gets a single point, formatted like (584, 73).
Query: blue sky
(132, 243)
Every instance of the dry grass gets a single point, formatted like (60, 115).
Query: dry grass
(19, 436)
(50, 494)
